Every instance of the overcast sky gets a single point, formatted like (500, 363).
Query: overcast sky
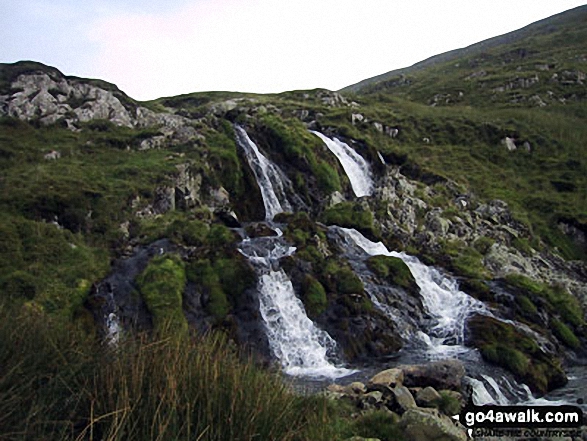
(154, 48)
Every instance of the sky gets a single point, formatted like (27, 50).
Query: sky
(154, 48)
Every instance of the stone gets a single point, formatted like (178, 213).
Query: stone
(402, 399)
(389, 377)
(378, 127)
(424, 425)
(427, 397)
(356, 117)
(443, 374)
(509, 143)
(52, 155)
(372, 398)
(357, 387)
(392, 132)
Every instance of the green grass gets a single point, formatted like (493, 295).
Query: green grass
(56, 383)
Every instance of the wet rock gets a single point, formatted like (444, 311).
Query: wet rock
(443, 374)
(427, 425)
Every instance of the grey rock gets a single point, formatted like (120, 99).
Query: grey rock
(443, 374)
(427, 397)
(425, 425)
(509, 143)
(403, 399)
(389, 377)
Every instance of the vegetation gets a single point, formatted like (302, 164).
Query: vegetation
(162, 285)
(350, 215)
(393, 270)
(56, 383)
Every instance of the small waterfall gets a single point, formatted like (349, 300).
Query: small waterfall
(440, 295)
(301, 347)
(269, 177)
(355, 166)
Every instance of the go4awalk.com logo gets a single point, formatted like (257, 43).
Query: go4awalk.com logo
(522, 421)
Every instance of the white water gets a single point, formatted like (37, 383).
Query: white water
(269, 177)
(355, 166)
(440, 295)
(302, 348)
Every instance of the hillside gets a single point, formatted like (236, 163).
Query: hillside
(558, 25)
(122, 217)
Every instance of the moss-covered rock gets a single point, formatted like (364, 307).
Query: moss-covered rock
(161, 286)
(501, 343)
(351, 215)
(313, 296)
(393, 270)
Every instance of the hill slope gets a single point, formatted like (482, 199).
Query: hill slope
(557, 24)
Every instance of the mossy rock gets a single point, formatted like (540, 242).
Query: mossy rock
(555, 297)
(161, 285)
(394, 271)
(504, 345)
(313, 296)
(351, 215)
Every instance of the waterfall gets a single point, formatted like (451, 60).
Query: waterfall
(354, 165)
(440, 295)
(302, 348)
(270, 178)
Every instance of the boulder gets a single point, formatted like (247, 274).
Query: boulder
(428, 425)
(443, 374)
(389, 377)
(402, 399)
(427, 397)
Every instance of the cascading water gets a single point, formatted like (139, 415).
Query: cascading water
(301, 347)
(355, 166)
(269, 177)
(441, 297)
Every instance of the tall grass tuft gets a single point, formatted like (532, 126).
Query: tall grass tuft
(58, 383)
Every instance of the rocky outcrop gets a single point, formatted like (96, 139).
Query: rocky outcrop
(48, 96)
(425, 417)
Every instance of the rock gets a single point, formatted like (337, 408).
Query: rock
(357, 387)
(378, 127)
(425, 425)
(52, 155)
(444, 374)
(392, 132)
(390, 378)
(356, 117)
(509, 143)
(372, 400)
(260, 229)
(402, 399)
(427, 397)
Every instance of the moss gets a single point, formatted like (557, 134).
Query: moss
(224, 280)
(161, 285)
(526, 305)
(350, 215)
(503, 344)
(448, 404)
(393, 270)
(483, 244)
(565, 334)
(557, 298)
(314, 296)
(378, 425)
